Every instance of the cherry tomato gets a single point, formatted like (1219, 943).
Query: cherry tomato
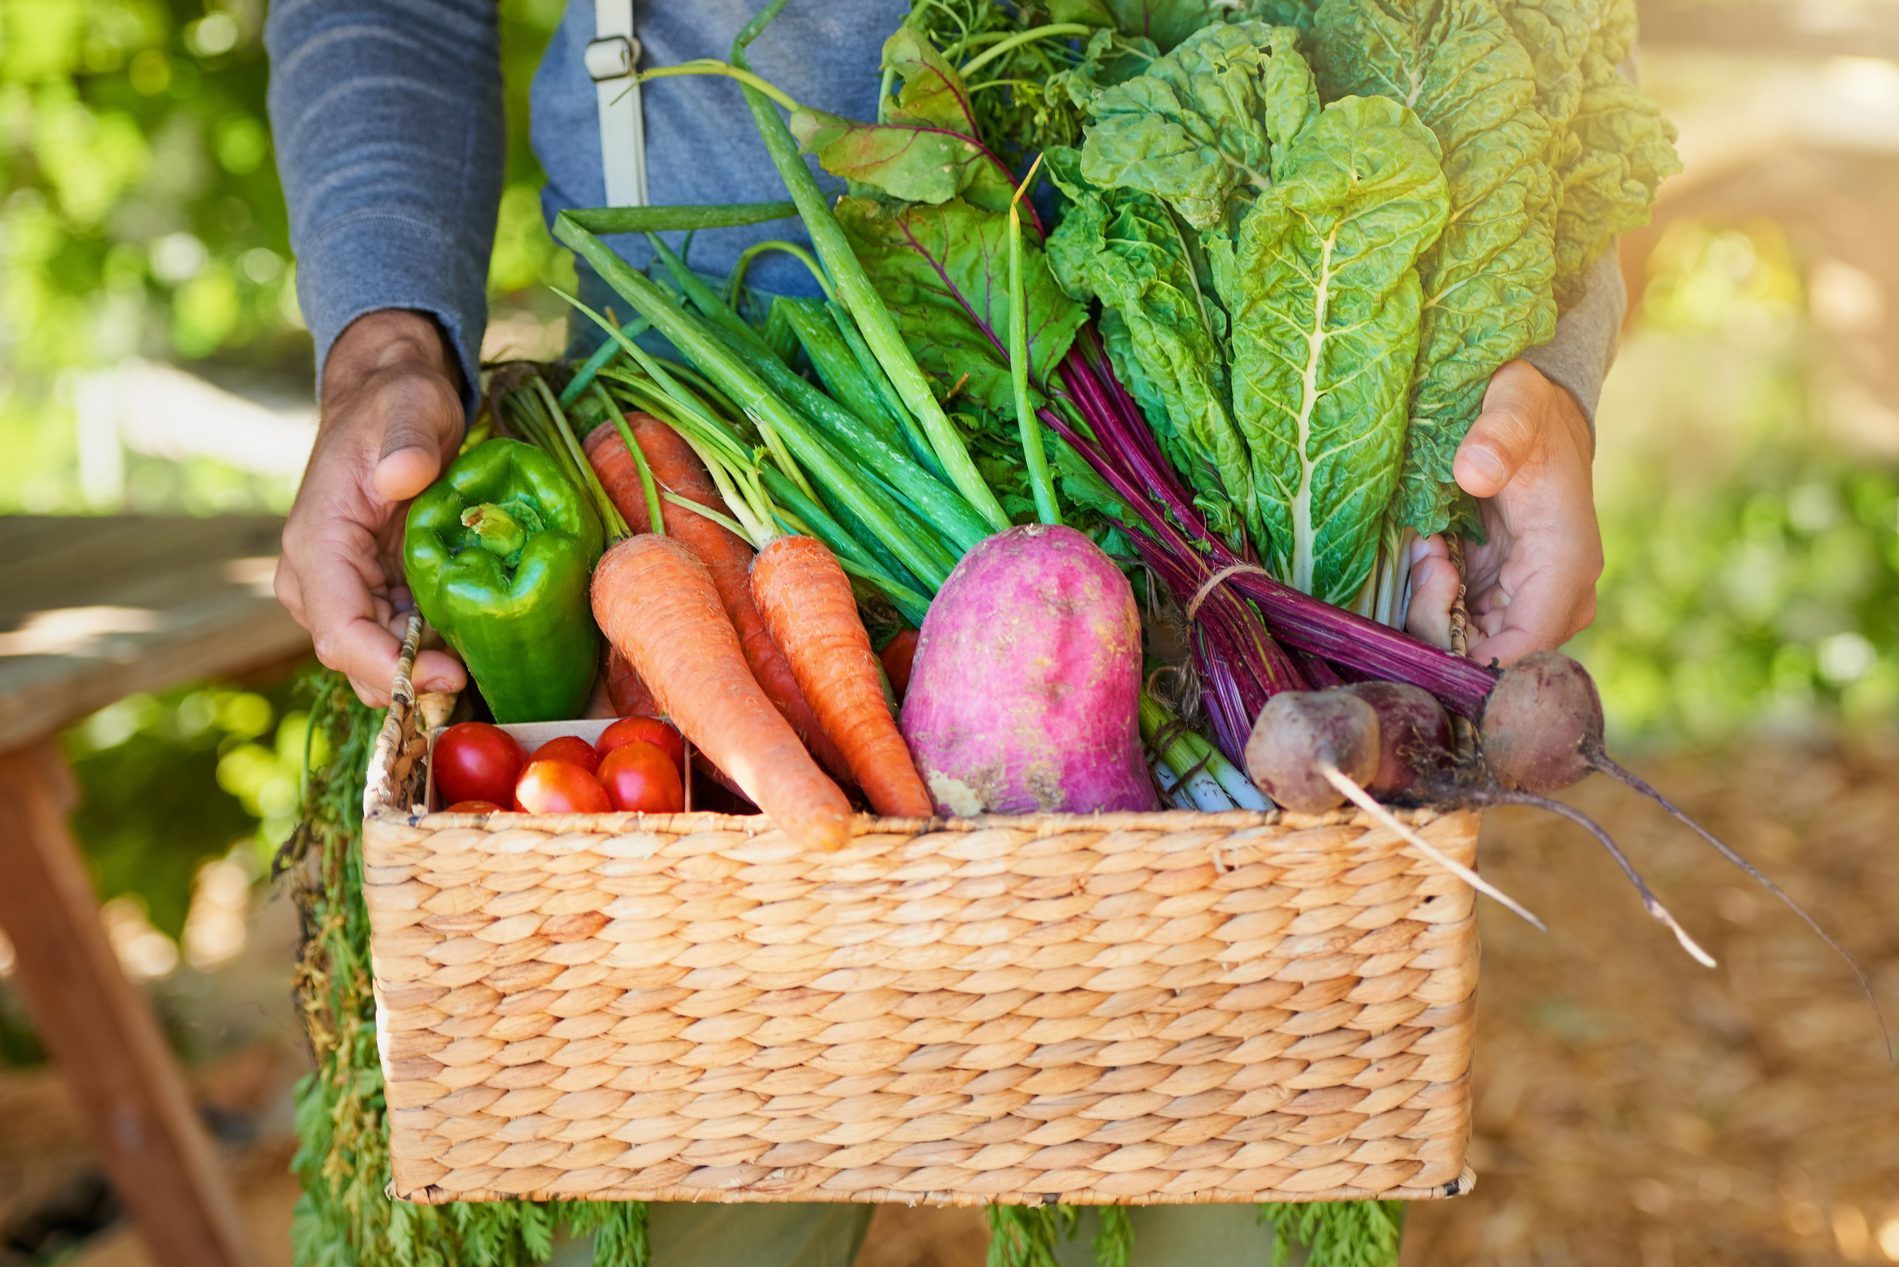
(572, 749)
(897, 656)
(641, 776)
(644, 730)
(473, 807)
(477, 762)
(559, 787)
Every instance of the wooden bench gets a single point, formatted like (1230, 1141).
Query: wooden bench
(93, 610)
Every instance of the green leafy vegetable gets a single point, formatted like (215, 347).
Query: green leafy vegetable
(924, 149)
(1163, 328)
(1621, 151)
(1200, 125)
(943, 272)
(1335, 1233)
(1165, 22)
(1487, 282)
(1324, 296)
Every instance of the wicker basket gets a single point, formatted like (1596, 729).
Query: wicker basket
(1122, 1008)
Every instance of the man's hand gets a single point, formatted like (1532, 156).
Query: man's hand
(390, 419)
(1532, 584)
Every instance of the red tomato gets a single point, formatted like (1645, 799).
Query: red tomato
(473, 807)
(644, 730)
(641, 776)
(477, 762)
(897, 656)
(572, 749)
(559, 787)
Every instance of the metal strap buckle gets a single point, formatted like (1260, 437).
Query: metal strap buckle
(612, 58)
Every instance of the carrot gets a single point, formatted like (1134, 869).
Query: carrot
(626, 695)
(727, 557)
(625, 688)
(807, 603)
(656, 602)
(898, 655)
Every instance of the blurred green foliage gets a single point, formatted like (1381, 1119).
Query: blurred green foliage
(140, 214)
(1753, 552)
(196, 770)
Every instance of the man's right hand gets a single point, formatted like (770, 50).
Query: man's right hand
(390, 420)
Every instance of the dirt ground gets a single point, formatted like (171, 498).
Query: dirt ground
(1632, 1109)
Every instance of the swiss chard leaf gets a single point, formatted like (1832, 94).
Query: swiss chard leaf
(1613, 30)
(1487, 281)
(1555, 34)
(926, 146)
(1200, 124)
(1621, 150)
(1324, 298)
(1166, 22)
(1163, 331)
(943, 271)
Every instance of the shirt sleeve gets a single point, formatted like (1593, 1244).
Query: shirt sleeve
(387, 120)
(1578, 357)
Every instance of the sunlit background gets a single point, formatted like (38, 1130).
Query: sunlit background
(152, 359)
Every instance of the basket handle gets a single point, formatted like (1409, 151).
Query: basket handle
(399, 731)
(1463, 733)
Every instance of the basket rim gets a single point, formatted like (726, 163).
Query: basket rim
(870, 824)
(380, 802)
(433, 1194)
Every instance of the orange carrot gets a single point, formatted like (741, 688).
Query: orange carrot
(807, 603)
(898, 655)
(626, 689)
(627, 696)
(678, 469)
(655, 601)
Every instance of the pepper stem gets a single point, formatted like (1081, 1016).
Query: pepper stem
(495, 529)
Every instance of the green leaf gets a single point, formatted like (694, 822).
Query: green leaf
(1164, 334)
(1335, 1233)
(943, 272)
(1555, 34)
(1620, 152)
(930, 92)
(1487, 282)
(924, 149)
(1199, 126)
(1295, 13)
(1613, 28)
(1324, 298)
(1165, 22)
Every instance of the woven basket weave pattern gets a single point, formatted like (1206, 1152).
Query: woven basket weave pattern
(1117, 1008)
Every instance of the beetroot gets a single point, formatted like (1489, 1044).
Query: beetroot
(1303, 738)
(1414, 739)
(1542, 724)
(1024, 695)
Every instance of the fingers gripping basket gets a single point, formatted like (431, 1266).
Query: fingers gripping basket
(1167, 1007)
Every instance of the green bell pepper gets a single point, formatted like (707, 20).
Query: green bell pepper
(499, 554)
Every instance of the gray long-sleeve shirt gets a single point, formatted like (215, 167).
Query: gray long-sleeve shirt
(388, 123)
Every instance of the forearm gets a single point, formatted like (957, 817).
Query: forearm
(1578, 357)
(387, 120)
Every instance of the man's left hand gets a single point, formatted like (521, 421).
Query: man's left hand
(1532, 584)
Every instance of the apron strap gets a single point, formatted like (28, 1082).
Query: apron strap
(611, 61)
